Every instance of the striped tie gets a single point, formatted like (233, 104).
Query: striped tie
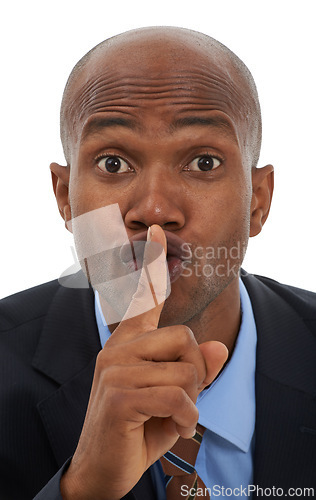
(178, 464)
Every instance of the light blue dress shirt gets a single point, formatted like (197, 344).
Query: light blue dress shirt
(227, 411)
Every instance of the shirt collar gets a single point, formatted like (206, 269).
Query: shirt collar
(228, 406)
(103, 328)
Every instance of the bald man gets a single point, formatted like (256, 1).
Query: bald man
(161, 131)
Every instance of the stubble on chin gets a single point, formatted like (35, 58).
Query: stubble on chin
(203, 281)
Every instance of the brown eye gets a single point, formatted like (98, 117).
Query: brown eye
(113, 165)
(204, 163)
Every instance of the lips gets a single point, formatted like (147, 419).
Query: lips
(176, 246)
(177, 250)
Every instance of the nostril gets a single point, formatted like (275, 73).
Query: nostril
(170, 226)
(137, 225)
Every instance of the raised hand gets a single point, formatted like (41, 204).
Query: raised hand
(143, 394)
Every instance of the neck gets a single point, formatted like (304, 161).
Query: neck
(220, 320)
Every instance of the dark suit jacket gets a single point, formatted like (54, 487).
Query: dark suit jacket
(49, 342)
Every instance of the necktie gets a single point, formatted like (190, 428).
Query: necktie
(182, 481)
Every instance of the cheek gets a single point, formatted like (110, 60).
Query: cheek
(224, 210)
(86, 194)
(80, 198)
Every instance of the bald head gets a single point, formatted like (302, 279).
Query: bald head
(158, 54)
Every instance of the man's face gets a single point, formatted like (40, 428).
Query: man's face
(161, 136)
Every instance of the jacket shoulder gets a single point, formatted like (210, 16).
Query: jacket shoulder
(304, 300)
(27, 305)
(266, 290)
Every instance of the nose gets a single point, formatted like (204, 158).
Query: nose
(156, 200)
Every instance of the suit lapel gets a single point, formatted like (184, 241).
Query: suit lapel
(70, 338)
(285, 383)
(63, 413)
(66, 353)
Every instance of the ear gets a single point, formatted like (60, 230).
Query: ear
(262, 190)
(60, 179)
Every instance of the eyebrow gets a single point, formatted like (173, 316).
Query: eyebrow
(218, 122)
(100, 123)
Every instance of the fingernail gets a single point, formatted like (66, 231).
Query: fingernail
(149, 234)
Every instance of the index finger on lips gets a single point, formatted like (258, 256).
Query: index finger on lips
(152, 290)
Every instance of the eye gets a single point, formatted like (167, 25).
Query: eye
(204, 163)
(113, 165)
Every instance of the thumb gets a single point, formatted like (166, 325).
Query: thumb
(215, 355)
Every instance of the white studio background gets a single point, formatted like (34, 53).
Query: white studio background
(40, 44)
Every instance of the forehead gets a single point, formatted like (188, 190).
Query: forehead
(172, 79)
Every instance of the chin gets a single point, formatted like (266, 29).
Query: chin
(178, 307)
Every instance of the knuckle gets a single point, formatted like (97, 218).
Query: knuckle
(117, 400)
(194, 415)
(111, 375)
(100, 362)
(108, 372)
(104, 357)
(115, 355)
(182, 405)
(189, 334)
(186, 372)
(189, 380)
(113, 396)
(186, 334)
(184, 337)
(178, 397)
(191, 373)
